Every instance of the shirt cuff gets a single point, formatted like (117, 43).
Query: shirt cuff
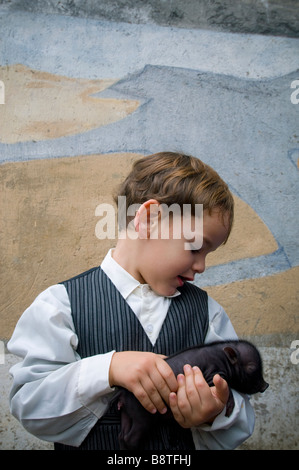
(93, 382)
(220, 422)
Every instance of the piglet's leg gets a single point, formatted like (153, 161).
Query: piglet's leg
(135, 421)
(132, 433)
(125, 431)
(125, 420)
(230, 404)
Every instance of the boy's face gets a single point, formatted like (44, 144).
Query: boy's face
(165, 264)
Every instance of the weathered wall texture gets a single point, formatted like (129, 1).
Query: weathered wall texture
(276, 17)
(82, 99)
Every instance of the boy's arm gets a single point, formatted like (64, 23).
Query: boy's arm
(56, 395)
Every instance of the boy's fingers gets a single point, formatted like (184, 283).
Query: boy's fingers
(184, 404)
(174, 406)
(191, 390)
(144, 399)
(164, 382)
(221, 388)
(168, 376)
(161, 391)
(156, 386)
(149, 398)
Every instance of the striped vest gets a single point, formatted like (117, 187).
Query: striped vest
(104, 321)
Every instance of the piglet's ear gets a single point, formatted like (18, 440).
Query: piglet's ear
(231, 354)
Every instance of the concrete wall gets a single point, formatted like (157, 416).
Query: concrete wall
(81, 98)
(275, 17)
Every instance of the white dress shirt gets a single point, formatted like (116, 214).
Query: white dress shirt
(58, 397)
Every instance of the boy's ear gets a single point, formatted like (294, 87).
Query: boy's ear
(146, 218)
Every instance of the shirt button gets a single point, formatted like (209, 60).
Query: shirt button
(149, 328)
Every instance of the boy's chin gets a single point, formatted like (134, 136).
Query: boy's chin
(164, 291)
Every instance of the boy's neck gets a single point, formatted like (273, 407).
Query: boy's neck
(126, 255)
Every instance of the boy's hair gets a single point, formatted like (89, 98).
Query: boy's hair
(171, 177)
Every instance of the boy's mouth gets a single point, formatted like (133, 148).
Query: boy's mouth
(183, 279)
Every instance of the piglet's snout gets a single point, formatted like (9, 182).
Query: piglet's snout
(264, 387)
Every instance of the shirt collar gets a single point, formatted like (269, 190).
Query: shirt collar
(123, 281)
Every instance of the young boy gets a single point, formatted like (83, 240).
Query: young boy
(113, 325)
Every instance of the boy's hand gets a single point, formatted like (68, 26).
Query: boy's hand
(195, 402)
(146, 375)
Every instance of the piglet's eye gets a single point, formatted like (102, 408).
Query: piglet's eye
(250, 367)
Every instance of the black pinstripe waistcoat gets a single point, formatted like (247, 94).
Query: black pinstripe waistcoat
(104, 321)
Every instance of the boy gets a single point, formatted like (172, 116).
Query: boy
(113, 325)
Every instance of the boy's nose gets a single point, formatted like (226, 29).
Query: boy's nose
(199, 264)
